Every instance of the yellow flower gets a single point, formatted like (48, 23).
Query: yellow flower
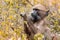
(7, 0)
(58, 7)
(21, 9)
(35, 1)
(17, 6)
(3, 23)
(10, 17)
(11, 1)
(53, 2)
(7, 28)
(0, 32)
(59, 10)
(54, 14)
(4, 13)
(38, 36)
(25, 22)
(24, 36)
(13, 38)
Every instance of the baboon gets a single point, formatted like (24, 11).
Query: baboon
(36, 22)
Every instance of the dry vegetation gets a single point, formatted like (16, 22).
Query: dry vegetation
(11, 23)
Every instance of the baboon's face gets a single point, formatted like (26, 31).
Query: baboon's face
(38, 14)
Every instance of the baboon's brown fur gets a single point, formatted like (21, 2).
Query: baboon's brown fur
(38, 27)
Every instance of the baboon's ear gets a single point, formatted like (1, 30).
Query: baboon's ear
(36, 9)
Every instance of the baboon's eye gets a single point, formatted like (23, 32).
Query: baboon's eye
(35, 9)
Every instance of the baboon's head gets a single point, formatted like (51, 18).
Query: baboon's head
(39, 12)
